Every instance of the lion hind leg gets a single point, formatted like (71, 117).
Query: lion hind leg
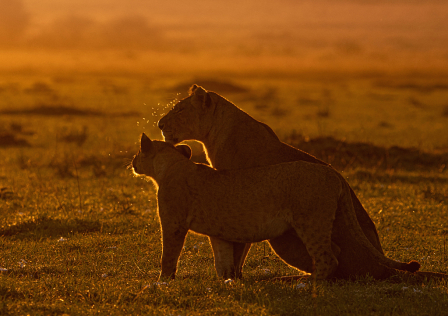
(325, 263)
(223, 253)
(317, 240)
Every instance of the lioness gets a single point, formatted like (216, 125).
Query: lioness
(251, 205)
(234, 140)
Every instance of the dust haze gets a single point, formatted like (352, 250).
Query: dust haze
(226, 36)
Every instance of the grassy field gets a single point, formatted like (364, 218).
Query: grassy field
(79, 234)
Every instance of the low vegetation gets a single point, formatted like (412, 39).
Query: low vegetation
(79, 233)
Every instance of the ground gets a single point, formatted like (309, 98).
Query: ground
(79, 234)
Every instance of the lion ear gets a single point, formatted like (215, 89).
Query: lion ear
(145, 144)
(184, 150)
(192, 89)
(200, 97)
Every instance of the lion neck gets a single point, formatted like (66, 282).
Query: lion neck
(223, 144)
(226, 118)
(167, 166)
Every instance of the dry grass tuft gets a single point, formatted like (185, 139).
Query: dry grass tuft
(445, 111)
(343, 155)
(46, 226)
(10, 139)
(74, 136)
(6, 193)
(39, 88)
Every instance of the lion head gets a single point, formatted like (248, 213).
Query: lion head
(190, 118)
(153, 154)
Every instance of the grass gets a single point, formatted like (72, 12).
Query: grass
(79, 234)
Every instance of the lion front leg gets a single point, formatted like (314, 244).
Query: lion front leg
(223, 253)
(171, 248)
(240, 252)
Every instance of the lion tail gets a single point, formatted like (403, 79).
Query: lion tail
(355, 229)
(420, 276)
(412, 266)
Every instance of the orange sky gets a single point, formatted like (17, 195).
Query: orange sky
(320, 30)
(350, 18)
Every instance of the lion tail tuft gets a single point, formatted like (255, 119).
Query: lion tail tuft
(412, 266)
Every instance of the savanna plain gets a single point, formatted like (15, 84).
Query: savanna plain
(79, 234)
(359, 84)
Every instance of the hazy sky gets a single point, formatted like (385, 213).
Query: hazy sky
(307, 29)
(317, 12)
(362, 20)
